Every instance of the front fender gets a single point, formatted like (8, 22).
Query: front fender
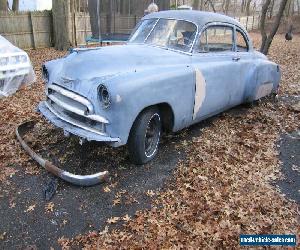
(133, 92)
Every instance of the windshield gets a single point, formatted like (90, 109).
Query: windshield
(168, 33)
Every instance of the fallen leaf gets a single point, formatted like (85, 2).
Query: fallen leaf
(116, 201)
(49, 207)
(113, 220)
(2, 236)
(30, 208)
(150, 193)
(126, 218)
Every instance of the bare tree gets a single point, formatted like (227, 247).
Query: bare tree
(15, 6)
(3, 5)
(288, 8)
(243, 4)
(225, 6)
(109, 17)
(271, 8)
(268, 38)
(211, 4)
(163, 4)
(248, 4)
(92, 8)
(196, 4)
(61, 24)
(202, 5)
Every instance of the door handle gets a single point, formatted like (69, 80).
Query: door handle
(236, 58)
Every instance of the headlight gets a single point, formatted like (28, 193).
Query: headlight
(45, 74)
(104, 96)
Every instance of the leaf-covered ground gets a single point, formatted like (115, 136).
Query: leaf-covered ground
(222, 187)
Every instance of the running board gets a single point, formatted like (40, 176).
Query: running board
(80, 180)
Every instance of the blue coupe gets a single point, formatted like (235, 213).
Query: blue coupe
(178, 68)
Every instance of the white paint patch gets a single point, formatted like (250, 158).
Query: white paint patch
(118, 98)
(200, 89)
(263, 90)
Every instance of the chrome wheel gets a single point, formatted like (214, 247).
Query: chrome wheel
(152, 135)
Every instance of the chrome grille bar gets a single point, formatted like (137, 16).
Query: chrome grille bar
(73, 96)
(72, 121)
(81, 105)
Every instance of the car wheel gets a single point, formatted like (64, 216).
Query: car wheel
(144, 136)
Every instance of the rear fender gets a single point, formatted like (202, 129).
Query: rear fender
(264, 81)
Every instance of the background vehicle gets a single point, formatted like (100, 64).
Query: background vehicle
(15, 68)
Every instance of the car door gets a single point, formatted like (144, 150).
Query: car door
(244, 63)
(217, 71)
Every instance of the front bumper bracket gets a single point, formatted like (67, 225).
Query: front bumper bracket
(80, 180)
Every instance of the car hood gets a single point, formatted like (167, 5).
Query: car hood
(113, 60)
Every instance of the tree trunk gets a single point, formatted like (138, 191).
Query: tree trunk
(225, 6)
(61, 24)
(288, 8)
(3, 5)
(212, 5)
(92, 8)
(196, 4)
(248, 4)
(109, 17)
(163, 4)
(267, 39)
(15, 6)
(243, 6)
(263, 33)
(271, 9)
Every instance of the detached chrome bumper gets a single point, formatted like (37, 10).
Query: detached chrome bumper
(72, 126)
(81, 180)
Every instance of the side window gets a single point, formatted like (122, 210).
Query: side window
(241, 42)
(216, 39)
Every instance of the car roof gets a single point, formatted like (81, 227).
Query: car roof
(198, 17)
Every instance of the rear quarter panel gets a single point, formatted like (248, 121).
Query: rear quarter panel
(264, 79)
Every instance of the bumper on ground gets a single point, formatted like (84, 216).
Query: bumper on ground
(81, 180)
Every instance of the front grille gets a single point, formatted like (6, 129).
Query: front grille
(60, 98)
(73, 108)
(70, 98)
(80, 120)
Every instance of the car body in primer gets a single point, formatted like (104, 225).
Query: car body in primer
(98, 93)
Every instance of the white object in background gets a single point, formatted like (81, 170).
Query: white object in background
(184, 7)
(15, 68)
(31, 5)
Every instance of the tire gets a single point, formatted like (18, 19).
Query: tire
(145, 136)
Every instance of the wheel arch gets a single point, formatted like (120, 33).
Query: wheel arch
(166, 115)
